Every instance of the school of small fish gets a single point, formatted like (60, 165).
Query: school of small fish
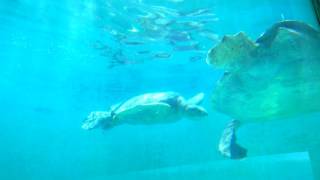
(153, 32)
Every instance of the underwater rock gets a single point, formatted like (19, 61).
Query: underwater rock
(275, 77)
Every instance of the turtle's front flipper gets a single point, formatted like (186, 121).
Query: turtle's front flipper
(228, 142)
(196, 100)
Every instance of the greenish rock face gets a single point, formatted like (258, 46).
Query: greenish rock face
(271, 81)
(231, 52)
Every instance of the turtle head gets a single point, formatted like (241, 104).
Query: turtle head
(194, 111)
(98, 119)
(232, 50)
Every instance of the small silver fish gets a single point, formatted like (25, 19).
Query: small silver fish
(134, 43)
(197, 12)
(100, 45)
(179, 36)
(144, 52)
(209, 34)
(162, 55)
(187, 47)
(195, 58)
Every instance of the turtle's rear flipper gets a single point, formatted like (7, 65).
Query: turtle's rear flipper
(228, 142)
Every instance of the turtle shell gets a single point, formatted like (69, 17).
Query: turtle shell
(149, 108)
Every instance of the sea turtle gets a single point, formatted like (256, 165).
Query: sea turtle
(149, 108)
(275, 77)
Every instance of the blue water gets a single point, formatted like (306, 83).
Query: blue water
(60, 60)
